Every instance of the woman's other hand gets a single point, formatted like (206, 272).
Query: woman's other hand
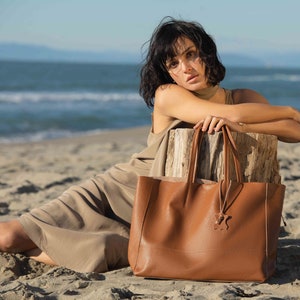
(213, 124)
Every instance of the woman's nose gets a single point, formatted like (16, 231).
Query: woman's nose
(186, 66)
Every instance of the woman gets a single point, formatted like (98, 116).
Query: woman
(87, 227)
(182, 59)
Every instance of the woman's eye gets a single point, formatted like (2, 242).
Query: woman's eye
(192, 54)
(172, 64)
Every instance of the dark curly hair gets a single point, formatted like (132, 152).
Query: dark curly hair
(162, 47)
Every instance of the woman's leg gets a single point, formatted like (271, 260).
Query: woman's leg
(14, 239)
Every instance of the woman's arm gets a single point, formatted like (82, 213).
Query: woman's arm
(176, 102)
(286, 130)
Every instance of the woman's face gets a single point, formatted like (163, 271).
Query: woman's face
(186, 68)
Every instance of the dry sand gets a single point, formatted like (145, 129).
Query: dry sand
(34, 173)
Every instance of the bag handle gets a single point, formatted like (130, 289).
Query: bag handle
(229, 147)
(232, 149)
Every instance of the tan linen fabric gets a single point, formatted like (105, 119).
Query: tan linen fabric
(87, 227)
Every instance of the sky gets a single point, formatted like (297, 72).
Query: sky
(97, 25)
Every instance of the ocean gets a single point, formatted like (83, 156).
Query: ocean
(40, 100)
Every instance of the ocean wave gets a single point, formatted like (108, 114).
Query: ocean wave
(47, 96)
(46, 135)
(267, 78)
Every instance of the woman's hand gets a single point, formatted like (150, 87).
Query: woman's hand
(213, 124)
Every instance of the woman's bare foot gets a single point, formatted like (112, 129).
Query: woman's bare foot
(40, 256)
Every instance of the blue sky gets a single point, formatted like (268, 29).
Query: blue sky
(236, 25)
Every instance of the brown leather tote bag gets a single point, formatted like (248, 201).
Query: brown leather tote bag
(210, 231)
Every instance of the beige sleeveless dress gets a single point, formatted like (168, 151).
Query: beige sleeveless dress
(87, 228)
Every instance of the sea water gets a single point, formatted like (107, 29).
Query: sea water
(40, 100)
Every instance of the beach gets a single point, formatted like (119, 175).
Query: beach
(33, 173)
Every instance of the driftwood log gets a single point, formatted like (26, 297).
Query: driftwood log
(257, 156)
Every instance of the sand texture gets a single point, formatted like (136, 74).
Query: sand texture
(34, 173)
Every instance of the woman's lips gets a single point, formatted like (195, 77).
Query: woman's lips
(192, 78)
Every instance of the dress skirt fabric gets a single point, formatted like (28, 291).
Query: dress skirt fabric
(79, 230)
(87, 228)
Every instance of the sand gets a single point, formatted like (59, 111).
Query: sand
(34, 173)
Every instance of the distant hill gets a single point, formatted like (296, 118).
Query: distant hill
(239, 60)
(28, 52)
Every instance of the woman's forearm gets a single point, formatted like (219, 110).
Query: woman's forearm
(258, 112)
(285, 130)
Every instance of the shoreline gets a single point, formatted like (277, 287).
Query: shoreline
(105, 133)
(36, 172)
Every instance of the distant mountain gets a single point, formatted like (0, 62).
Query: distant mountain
(280, 59)
(239, 60)
(28, 52)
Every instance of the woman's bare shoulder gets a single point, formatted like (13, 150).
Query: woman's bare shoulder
(248, 96)
(168, 88)
(170, 94)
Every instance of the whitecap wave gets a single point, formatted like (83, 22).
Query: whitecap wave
(267, 78)
(46, 135)
(44, 96)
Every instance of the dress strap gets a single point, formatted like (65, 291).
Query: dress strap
(229, 97)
